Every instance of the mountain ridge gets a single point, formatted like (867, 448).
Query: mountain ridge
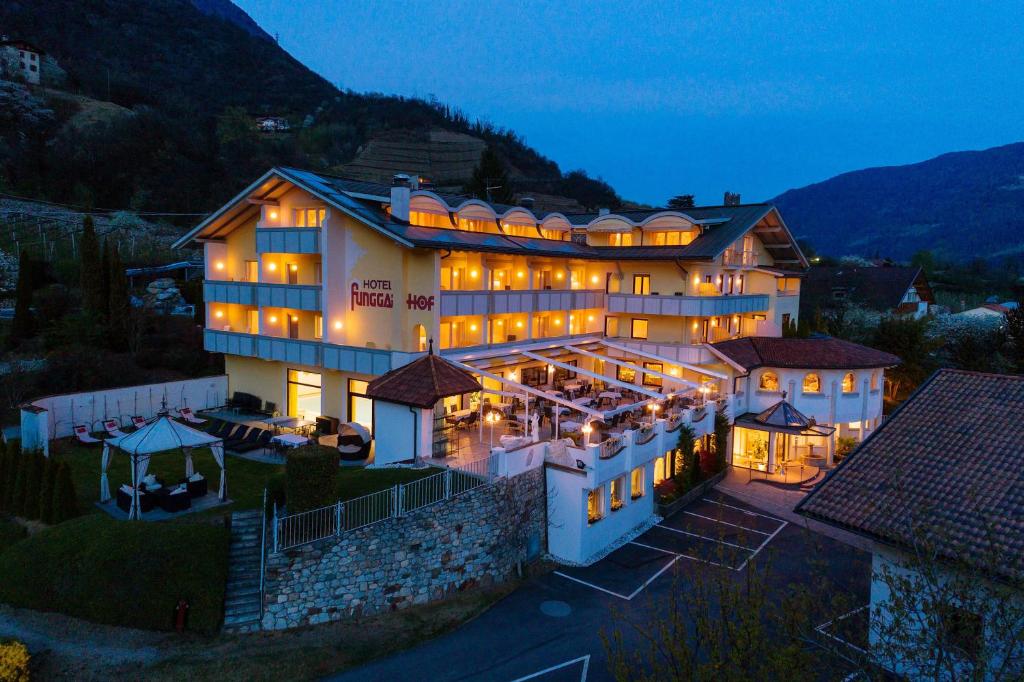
(960, 205)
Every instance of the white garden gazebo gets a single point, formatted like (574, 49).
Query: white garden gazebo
(160, 435)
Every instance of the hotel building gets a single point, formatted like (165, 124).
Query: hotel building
(315, 285)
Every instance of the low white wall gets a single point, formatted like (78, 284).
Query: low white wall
(56, 415)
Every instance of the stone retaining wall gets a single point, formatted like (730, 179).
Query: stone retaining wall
(469, 540)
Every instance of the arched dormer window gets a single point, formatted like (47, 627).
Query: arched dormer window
(769, 382)
(812, 383)
(874, 381)
(849, 383)
(419, 333)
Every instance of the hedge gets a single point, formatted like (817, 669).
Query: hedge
(34, 463)
(127, 573)
(10, 532)
(310, 476)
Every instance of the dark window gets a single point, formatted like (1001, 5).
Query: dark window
(785, 320)
(962, 631)
(564, 374)
(535, 376)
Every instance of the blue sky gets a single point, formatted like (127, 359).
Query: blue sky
(663, 98)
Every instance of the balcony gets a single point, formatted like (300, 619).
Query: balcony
(288, 240)
(739, 259)
(687, 306)
(293, 296)
(527, 301)
(304, 352)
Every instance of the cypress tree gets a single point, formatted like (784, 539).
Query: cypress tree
(119, 304)
(90, 259)
(23, 325)
(65, 504)
(46, 490)
(490, 180)
(105, 279)
(10, 474)
(4, 472)
(33, 483)
(17, 501)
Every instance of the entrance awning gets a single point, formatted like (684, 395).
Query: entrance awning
(782, 417)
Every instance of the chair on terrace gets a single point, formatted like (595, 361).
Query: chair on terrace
(83, 436)
(113, 429)
(188, 416)
(138, 422)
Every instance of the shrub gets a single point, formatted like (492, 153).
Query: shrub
(684, 453)
(275, 492)
(17, 500)
(722, 428)
(35, 464)
(692, 473)
(310, 476)
(46, 489)
(4, 472)
(10, 532)
(127, 573)
(14, 661)
(65, 502)
(7, 484)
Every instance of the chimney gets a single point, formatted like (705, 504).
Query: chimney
(731, 199)
(603, 211)
(526, 202)
(400, 191)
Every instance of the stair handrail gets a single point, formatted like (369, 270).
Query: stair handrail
(263, 549)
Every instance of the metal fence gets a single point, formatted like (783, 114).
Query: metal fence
(293, 530)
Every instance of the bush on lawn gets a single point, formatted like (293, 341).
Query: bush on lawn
(14, 661)
(21, 467)
(128, 573)
(46, 490)
(34, 464)
(310, 476)
(275, 492)
(722, 428)
(10, 532)
(7, 484)
(65, 502)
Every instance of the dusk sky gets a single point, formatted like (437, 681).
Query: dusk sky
(667, 98)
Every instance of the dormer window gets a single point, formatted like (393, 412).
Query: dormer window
(812, 383)
(310, 217)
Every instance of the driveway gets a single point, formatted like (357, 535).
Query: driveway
(549, 629)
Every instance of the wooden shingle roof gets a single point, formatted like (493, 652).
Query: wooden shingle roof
(751, 352)
(422, 382)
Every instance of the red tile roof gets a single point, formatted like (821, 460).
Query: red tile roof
(948, 466)
(422, 382)
(751, 352)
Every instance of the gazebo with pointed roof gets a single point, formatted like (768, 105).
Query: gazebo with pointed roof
(782, 417)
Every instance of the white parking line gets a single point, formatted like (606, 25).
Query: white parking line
(762, 545)
(747, 511)
(583, 676)
(680, 555)
(702, 537)
(596, 587)
(734, 525)
(821, 628)
(675, 557)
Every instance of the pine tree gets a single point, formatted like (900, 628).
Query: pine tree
(23, 325)
(65, 504)
(490, 180)
(35, 464)
(46, 490)
(119, 304)
(93, 303)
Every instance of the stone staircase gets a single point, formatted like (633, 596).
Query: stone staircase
(242, 596)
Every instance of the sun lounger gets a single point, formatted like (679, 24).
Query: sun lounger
(113, 428)
(237, 437)
(138, 422)
(188, 416)
(83, 436)
(250, 442)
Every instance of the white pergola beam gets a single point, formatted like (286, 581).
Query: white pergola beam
(637, 368)
(594, 375)
(652, 356)
(529, 390)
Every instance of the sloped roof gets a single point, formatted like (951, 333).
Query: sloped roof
(160, 435)
(751, 352)
(782, 416)
(422, 382)
(947, 465)
(878, 288)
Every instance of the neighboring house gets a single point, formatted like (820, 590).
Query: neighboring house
(794, 398)
(20, 60)
(317, 285)
(988, 310)
(901, 290)
(945, 472)
(272, 124)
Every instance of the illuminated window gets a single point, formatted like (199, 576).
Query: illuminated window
(318, 326)
(769, 382)
(558, 235)
(669, 238)
(618, 493)
(310, 217)
(651, 379)
(642, 284)
(638, 329)
(595, 505)
(360, 408)
(625, 374)
(620, 239)
(474, 225)
(812, 383)
(420, 334)
(849, 383)
(304, 391)
(252, 271)
(874, 381)
(636, 483)
(427, 219)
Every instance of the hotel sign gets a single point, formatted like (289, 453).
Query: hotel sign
(375, 293)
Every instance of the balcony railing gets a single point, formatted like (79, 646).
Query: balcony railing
(746, 259)
(525, 301)
(293, 296)
(288, 240)
(301, 351)
(687, 306)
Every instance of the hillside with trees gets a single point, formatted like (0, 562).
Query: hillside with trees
(191, 78)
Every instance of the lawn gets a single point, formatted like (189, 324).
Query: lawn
(10, 532)
(246, 479)
(129, 573)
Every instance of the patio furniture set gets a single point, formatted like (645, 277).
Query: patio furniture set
(154, 493)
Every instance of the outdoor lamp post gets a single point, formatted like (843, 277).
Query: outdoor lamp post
(587, 429)
(654, 407)
(491, 418)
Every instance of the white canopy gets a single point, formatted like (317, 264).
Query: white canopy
(160, 435)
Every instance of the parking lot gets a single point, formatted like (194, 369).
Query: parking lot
(713, 530)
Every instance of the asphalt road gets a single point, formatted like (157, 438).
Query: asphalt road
(549, 630)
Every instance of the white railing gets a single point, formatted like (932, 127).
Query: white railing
(743, 258)
(305, 527)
